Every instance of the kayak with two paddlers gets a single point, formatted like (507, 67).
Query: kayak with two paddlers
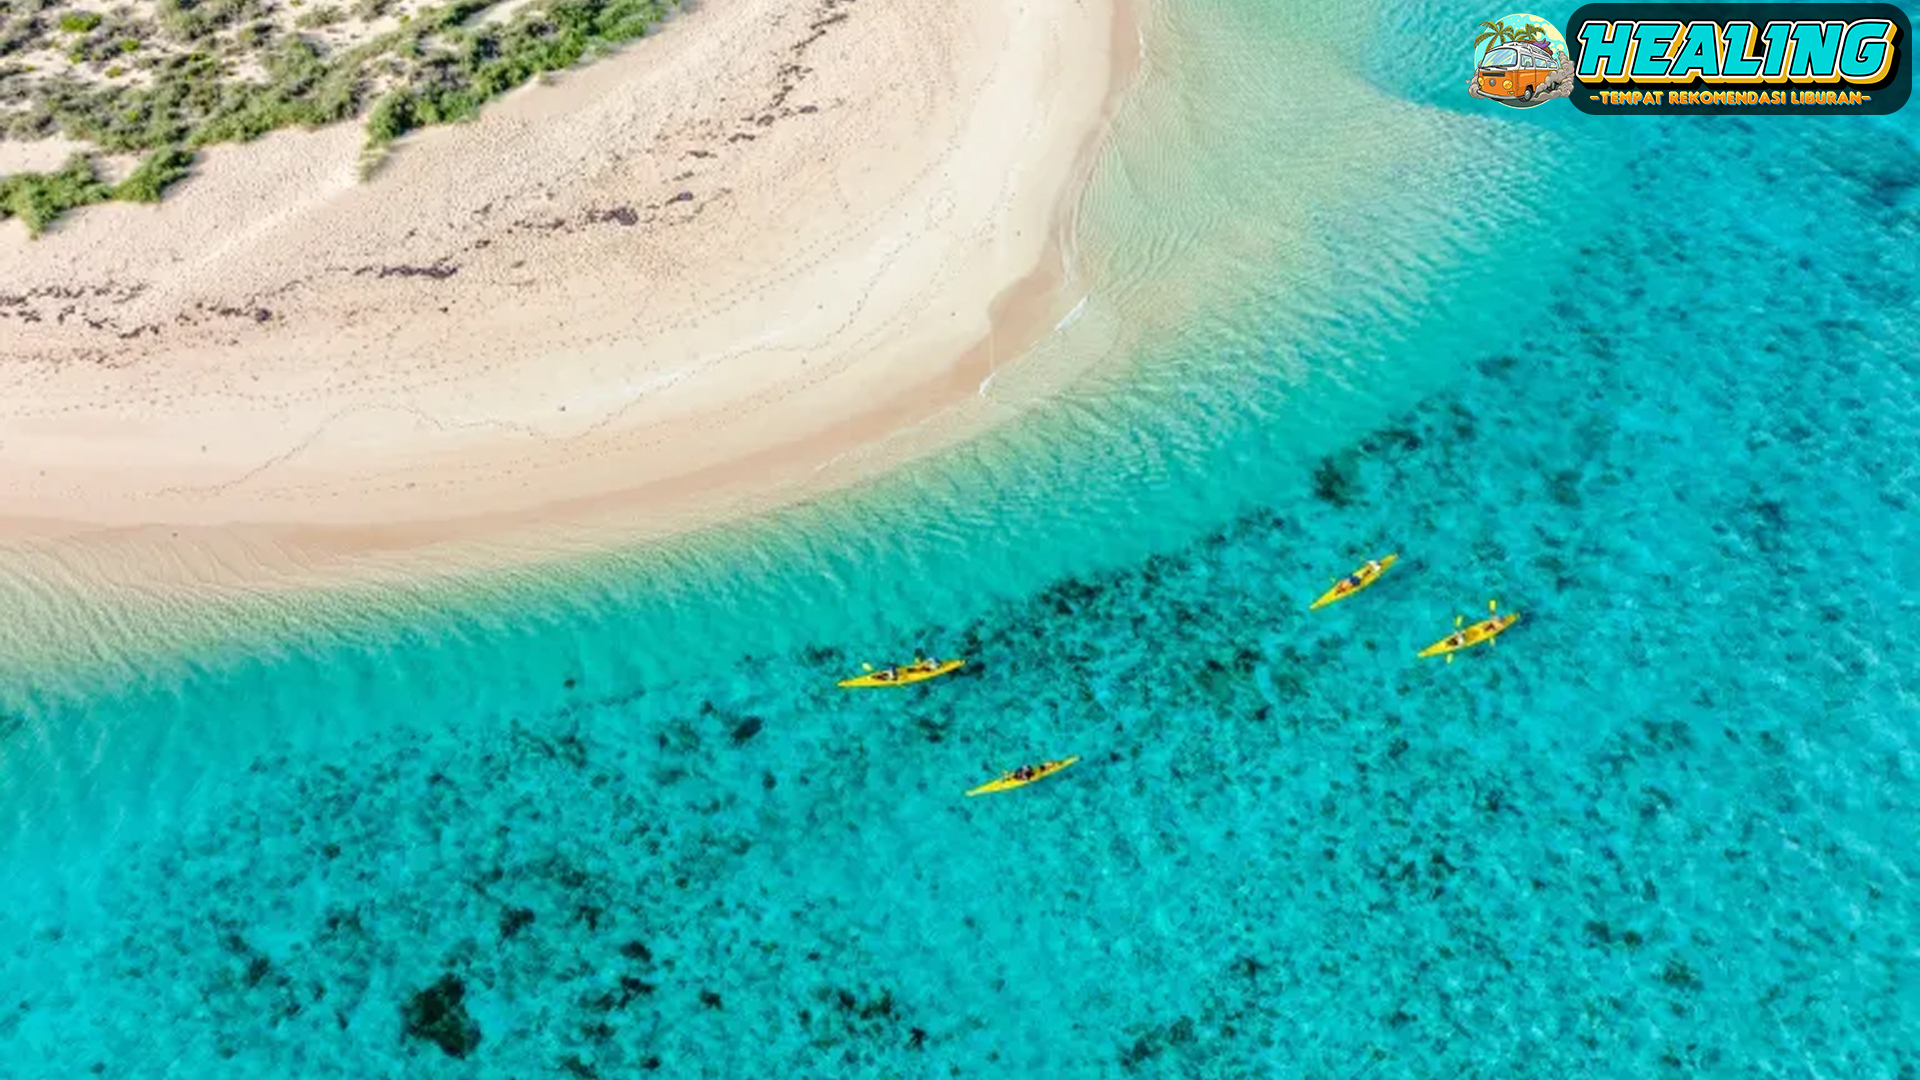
(919, 671)
(1022, 776)
(1355, 581)
(1466, 637)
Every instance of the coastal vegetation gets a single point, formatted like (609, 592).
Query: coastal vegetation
(39, 198)
(163, 78)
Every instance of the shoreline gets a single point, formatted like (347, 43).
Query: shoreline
(165, 535)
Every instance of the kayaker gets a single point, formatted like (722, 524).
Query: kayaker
(1025, 772)
(1458, 639)
(884, 676)
(1352, 581)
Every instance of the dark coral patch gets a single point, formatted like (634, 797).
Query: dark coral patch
(438, 1015)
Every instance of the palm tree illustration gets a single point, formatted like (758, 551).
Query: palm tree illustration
(1499, 33)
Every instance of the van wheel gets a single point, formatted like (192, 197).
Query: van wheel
(1527, 93)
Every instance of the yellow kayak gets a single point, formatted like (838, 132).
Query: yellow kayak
(1485, 630)
(918, 671)
(1355, 581)
(1009, 781)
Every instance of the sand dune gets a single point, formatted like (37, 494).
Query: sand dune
(669, 285)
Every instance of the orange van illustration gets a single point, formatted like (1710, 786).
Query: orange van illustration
(1516, 70)
(1520, 61)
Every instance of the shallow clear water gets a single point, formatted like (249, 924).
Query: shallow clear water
(1664, 828)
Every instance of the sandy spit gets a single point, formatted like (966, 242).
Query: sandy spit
(671, 287)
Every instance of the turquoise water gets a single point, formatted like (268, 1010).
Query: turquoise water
(1661, 398)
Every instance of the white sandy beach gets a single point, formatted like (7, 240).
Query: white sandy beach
(668, 286)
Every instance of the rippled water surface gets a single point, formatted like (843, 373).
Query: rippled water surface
(1650, 383)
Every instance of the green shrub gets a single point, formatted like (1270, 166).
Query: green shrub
(157, 173)
(79, 22)
(191, 20)
(455, 14)
(16, 35)
(319, 17)
(113, 42)
(30, 125)
(40, 198)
